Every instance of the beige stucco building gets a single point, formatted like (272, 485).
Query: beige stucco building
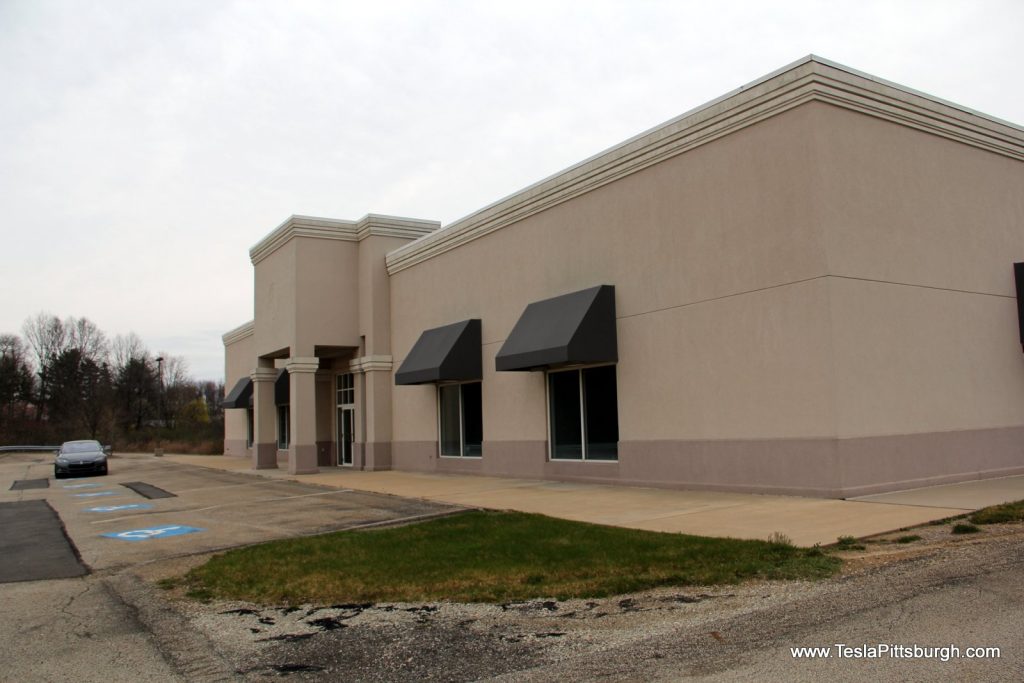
(806, 286)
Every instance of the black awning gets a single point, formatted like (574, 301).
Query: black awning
(568, 329)
(444, 354)
(282, 388)
(240, 395)
(1018, 275)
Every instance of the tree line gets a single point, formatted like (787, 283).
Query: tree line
(66, 379)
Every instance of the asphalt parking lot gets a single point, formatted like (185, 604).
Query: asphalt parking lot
(148, 509)
(151, 519)
(71, 551)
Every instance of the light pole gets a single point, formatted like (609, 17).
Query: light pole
(160, 405)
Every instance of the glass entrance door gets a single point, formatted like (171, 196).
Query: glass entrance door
(346, 418)
(346, 434)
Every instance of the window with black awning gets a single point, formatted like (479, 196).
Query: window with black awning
(240, 395)
(1018, 275)
(571, 329)
(450, 353)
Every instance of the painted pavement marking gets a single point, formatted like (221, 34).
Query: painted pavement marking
(81, 486)
(116, 508)
(153, 532)
(98, 493)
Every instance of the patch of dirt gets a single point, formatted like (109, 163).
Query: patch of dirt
(456, 641)
(884, 550)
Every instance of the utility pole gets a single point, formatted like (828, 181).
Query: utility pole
(160, 406)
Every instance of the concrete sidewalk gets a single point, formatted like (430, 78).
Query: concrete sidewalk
(804, 520)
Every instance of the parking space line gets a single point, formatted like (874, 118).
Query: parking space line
(225, 505)
(116, 508)
(227, 486)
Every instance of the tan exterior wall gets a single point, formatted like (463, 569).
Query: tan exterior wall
(237, 364)
(799, 311)
(814, 295)
(723, 332)
(375, 293)
(321, 287)
(305, 295)
(922, 233)
(274, 311)
(327, 307)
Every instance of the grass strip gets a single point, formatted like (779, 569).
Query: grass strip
(999, 514)
(491, 557)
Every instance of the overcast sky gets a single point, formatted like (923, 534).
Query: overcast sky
(145, 146)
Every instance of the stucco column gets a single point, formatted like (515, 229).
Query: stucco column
(302, 378)
(377, 381)
(264, 448)
(325, 403)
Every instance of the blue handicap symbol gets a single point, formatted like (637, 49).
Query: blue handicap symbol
(93, 495)
(116, 508)
(81, 486)
(153, 532)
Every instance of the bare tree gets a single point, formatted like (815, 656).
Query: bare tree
(177, 387)
(85, 382)
(213, 396)
(175, 370)
(84, 335)
(126, 348)
(48, 338)
(16, 384)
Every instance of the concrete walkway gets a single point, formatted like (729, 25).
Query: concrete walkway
(805, 521)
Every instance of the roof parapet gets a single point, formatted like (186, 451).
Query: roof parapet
(239, 333)
(344, 230)
(809, 79)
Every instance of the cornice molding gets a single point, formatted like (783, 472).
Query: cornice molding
(239, 333)
(335, 229)
(807, 80)
(308, 365)
(393, 226)
(371, 364)
(263, 375)
(302, 226)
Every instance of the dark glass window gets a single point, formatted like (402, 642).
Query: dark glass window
(461, 419)
(284, 431)
(250, 427)
(601, 413)
(448, 398)
(472, 419)
(566, 425)
(346, 389)
(584, 414)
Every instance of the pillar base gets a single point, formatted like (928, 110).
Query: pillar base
(302, 459)
(264, 456)
(377, 456)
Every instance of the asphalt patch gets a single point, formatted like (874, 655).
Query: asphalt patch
(147, 490)
(34, 545)
(22, 484)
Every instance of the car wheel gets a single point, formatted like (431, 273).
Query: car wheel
(105, 470)
(57, 475)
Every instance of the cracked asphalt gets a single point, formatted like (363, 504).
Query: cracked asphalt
(75, 629)
(108, 625)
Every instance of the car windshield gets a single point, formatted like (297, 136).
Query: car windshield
(81, 447)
